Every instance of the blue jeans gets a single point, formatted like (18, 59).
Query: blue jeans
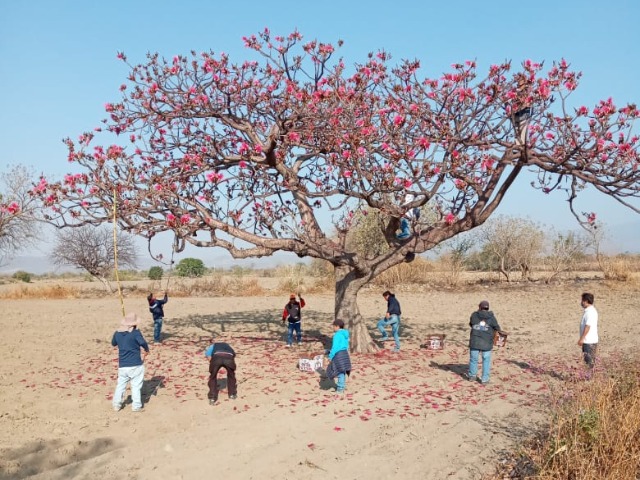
(157, 329)
(486, 364)
(340, 383)
(298, 330)
(135, 375)
(394, 321)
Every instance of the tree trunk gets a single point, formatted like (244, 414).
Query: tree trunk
(347, 287)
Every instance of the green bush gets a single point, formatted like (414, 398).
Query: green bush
(190, 267)
(155, 273)
(22, 276)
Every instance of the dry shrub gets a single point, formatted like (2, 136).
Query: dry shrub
(216, 286)
(595, 430)
(416, 272)
(292, 278)
(45, 292)
(618, 269)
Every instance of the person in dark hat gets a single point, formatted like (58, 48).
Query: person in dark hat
(483, 325)
(293, 313)
(129, 341)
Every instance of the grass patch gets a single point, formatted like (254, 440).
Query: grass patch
(43, 292)
(594, 431)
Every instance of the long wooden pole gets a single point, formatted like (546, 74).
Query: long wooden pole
(115, 250)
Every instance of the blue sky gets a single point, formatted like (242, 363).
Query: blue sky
(59, 63)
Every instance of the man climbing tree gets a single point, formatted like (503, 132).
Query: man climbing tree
(280, 153)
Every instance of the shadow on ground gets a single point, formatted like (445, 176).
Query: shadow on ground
(59, 455)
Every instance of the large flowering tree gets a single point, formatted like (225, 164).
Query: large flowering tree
(280, 153)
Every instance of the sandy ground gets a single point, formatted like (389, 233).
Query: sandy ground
(410, 415)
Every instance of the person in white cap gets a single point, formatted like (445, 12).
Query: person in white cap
(129, 341)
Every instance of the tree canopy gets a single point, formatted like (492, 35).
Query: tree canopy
(279, 152)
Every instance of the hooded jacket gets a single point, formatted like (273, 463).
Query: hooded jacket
(483, 326)
(340, 342)
(155, 307)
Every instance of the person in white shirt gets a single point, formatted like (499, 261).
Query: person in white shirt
(589, 330)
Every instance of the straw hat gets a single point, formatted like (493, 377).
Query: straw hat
(130, 320)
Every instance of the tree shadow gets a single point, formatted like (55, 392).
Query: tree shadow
(540, 370)
(460, 369)
(45, 456)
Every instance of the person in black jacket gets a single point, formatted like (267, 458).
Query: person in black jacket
(483, 325)
(157, 310)
(391, 317)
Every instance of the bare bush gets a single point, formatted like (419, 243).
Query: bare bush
(513, 244)
(93, 250)
(19, 212)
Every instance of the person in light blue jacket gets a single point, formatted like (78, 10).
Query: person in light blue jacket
(340, 365)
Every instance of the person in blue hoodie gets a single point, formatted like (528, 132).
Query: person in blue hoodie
(157, 310)
(340, 365)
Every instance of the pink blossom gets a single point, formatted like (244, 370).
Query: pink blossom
(362, 151)
(398, 120)
(408, 183)
(347, 174)
(171, 218)
(346, 154)
(157, 187)
(293, 136)
(214, 177)
(185, 219)
(243, 148)
(258, 148)
(450, 218)
(591, 218)
(549, 136)
(13, 208)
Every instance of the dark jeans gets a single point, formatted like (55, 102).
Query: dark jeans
(294, 327)
(229, 364)
(589, 351)
(157, 330)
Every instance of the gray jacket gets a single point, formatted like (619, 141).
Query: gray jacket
(483, 326)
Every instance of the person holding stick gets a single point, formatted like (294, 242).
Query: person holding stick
(129, 341)
(157, 310)
(293, 313)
